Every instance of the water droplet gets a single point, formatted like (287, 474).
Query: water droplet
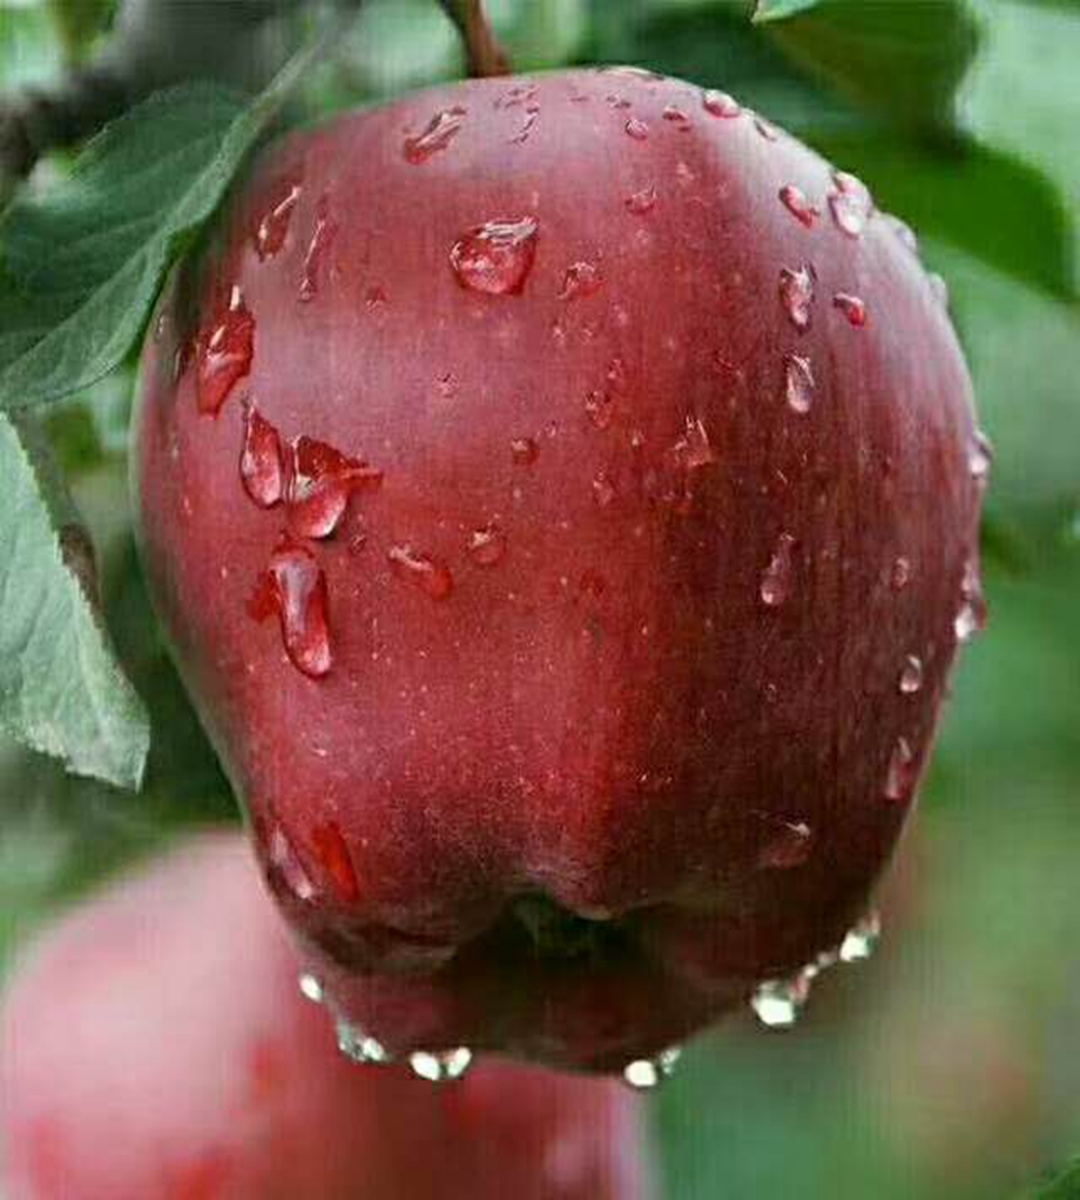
(603, 489)
(285, 863)
(274, 225)
(441, 1066)
(911, 675)
(375, 297)
(487, 545)
(642, 202)
(532, 115)
(439, 132)
(797, 294)
(849, 212)
(295, 587)
(852, 185)
(795, 201)
(224, 354)
(900, 576)
(694, 450)
(861, 940)
(524, 451)
(318, 248)
(676, 115)
(644, 1074)
(447, 385)
(359, 1047)
(720, 104)
(616, 373)
(971, 616)
(599, 406)
(581, 279)
(776, 578)
(798, 383)
(789, 848)
(320, 482)
(768, 131)
(852, 308)
(333, 852)
(261, 470)
(905, 233)
(422, 572)
(939, 288)
(980, 456)
(637, 129)
(496, 257)
(311, 987)
(778, 1002)
(900, 776)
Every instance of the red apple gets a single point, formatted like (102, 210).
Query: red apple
(561, 496)
(155, 1047)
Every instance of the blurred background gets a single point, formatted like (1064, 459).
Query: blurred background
(948, 1065)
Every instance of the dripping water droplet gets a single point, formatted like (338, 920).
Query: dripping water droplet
(421, 571)
(767, 130)
(320, 482)
(603, 489)
(637, 129)
(487, 545)
(645, 1074)
(720, 104)
(777, 1003)
(795, 201)
(261, 470)
(852, 308)
(789, 848)
(861, 940)
(900, 776)
(776, 578)
(980, 456)
(599, 406)
(495, 258)
(311, 987)
(642, 202)
(797, 294)
(581, 279)
(285, 863)
(900, 576)
(911, 675)
(224, 354)
(971, 616)
(799, 383)
(318, 248)
(333, 853)
(359, 1047)
(273, 227)
(939, 288)
(524, 451)
(439, 132)
(441, 1066)
(294, 586)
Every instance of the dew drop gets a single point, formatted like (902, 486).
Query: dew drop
(581, 279)
(599, 408)
(900, 776)
(441, 1066)
(311, 987)
(641, 202)
(524, 451)
(676, 115)
(798, 383)
(487, 545)
(333, 853)
(439, 132)
(285, 863)
(768, 131)
(694, 450)
(261, 470)
(905, 233)
(795, 201)
(637, 129)
(224, 355)
(320, 482)
(532, 115)
(900, 575)
(971, 616)
(939, 288)
(644, 1074)
(777, 1003)
(358, 1046)
(789, 848)
(776, 578)
(980, 456)
(852, 307)
(720, 104)
(375, 297)
(797, 294)
(603, 489)
(849, 213)
(495, 258)
(318, 248)
(295, 587)
(861, 939)
(273, 227)
(421, 571)
(911, 675)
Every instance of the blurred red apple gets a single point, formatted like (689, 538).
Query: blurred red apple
(155, 1047)
(561, 496)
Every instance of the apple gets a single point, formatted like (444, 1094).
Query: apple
(561, 497)
(156, 1048)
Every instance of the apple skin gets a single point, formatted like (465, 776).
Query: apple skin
(657, 535)
(156, 1048)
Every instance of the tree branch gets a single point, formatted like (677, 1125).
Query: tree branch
(486, 57)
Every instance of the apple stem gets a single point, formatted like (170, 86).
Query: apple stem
(486, 56)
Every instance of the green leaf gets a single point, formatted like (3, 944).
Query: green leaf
(779, 10)
(85, 261)
(984, 202)
(61, 690)
(899, 59)
(1065, 1186)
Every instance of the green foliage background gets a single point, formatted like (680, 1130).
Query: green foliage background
(950, 1065)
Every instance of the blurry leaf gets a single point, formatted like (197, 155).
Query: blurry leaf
(29, 53)
(85, 260)
(1065, 1186)
(539, 34)
(78, 22)
(779, 10)
(901, 59)
(981, 201)
(61, 690)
